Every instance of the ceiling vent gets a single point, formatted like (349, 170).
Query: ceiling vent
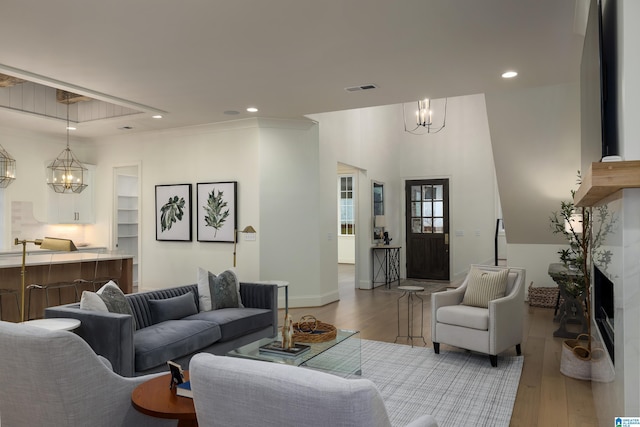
(361, 87)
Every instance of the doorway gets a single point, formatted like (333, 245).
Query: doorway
(127, 216)
(427, 229)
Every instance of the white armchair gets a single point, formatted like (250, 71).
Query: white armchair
(232, 392)
(53, 378)
(489, 330)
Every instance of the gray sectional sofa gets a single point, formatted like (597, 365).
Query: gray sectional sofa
(164, 326)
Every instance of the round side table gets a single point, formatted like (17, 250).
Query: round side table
(411, 293)
(55, 323)
(156, 399)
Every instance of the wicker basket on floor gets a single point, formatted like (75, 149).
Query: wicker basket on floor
(543, 297)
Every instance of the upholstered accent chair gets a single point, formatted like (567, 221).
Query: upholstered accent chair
(230, 391)
(484, 314)
(53, 378)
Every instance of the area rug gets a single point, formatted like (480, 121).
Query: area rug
(457, 388)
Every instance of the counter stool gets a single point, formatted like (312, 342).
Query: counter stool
(61, 275)
(411, 293)
(13, 292)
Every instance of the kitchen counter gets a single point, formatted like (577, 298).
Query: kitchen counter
(37, 272)
(35, 250)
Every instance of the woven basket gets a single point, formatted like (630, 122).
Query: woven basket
(543, 297)
(323, 332)
(576, 361)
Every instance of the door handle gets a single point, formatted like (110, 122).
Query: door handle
(446, 239)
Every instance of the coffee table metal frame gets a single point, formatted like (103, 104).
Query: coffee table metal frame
(340, 356)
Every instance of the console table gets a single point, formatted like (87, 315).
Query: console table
(571, 311)
(388, 265)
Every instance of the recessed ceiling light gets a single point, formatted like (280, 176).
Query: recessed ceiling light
(71, 128)
(252, 109)
(157, 116)
(509, 74)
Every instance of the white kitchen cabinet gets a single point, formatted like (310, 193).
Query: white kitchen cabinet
(72, 208)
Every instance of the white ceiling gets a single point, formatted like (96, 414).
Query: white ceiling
(195, 59)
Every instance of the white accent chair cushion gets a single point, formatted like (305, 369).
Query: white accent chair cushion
(231, 392)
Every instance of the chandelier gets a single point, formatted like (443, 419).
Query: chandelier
(7, 168)
(429, 118)
(66, 174)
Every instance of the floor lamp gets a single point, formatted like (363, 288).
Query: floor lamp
(247, 229)
(51, 243)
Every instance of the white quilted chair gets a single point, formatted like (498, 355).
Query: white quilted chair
(53, 378)
(485, 314)
(233, 392)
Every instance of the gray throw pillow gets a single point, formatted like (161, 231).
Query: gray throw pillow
(115, 300)
(172, 308)
(225, 290)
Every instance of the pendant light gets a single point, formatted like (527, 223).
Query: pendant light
(7, 168)
(66, 174)
(427, 114)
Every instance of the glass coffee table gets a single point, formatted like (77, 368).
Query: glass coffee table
(340, 356)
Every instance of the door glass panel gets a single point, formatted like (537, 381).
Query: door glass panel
(438, 225)
(415, 209)
(437, 209)
(426, 209)
(438, 189)
(416, 192)
(426, 225)
(415, 225)
(427, 192)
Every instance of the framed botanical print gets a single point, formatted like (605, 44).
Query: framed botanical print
(173, 212)
(217, 211)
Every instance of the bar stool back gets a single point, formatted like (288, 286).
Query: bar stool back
(5, 292)
(61, 275)
(108, 269)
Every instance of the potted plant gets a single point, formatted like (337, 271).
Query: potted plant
(576, 224)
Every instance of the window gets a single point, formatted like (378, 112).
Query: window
(427, 209)
(347, 220)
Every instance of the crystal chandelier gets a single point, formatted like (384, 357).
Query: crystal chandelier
(7, 168)
(427, 120)
(66, 174)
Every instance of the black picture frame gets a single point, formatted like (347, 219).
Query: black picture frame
(217, 211)
(173, 212)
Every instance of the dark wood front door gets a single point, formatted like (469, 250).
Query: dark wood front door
(427, 213)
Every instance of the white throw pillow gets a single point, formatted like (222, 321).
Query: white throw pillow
(92, 301)
(204, 293)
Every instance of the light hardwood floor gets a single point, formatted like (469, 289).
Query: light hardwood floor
(545, 396)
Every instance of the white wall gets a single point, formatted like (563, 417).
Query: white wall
(184, 156)
(462, 153)
(373, 140)
(535, 135)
